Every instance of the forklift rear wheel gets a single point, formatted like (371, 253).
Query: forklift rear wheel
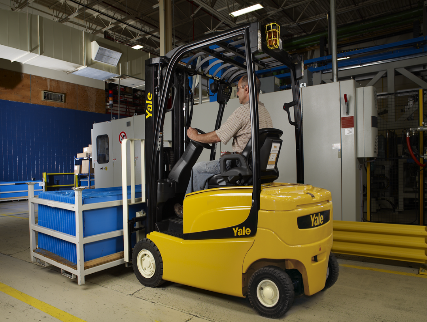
(271, 292)
(333, 271)
(147, 263)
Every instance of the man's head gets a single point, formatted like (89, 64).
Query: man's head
(243, 89)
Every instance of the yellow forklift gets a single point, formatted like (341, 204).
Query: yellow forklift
(245, 235)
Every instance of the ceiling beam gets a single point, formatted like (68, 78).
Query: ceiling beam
(133, 14)
(118, 20)
(23, 5)
(217, 14)
(79, 11)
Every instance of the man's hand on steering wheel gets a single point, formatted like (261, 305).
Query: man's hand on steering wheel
(193, 133)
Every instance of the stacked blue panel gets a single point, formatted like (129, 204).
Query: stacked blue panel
(95, 222)
(37, 138)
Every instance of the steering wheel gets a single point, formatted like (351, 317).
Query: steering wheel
(204, 145)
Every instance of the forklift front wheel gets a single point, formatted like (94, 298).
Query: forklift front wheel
(271, 292)
(147, 263)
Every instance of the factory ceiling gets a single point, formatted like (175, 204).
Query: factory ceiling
(137, 21)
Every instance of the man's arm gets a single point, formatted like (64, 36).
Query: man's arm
(210, 137)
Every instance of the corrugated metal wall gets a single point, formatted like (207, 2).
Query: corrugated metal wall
(38, 138)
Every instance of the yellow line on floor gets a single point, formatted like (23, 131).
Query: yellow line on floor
(383, 270)
(42, 306)
(16, 213)
(5, 215)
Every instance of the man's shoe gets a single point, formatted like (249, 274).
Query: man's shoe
(178, 210)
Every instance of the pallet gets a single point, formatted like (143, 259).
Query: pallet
(89, 264)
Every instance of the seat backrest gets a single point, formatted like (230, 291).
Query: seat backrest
(181, 172)
(270, 145)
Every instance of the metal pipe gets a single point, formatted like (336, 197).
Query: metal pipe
(333, 43)
(38, 33)
(83, 48)
(421, 134)
(417, 129)
(28, 34)
(200, 89)
(118, 117)
(425, 19)
(368, 191)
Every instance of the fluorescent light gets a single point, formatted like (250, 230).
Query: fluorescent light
(342, 58)
(246, 10)
(137, 47)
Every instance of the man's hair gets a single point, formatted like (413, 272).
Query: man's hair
(244, 81)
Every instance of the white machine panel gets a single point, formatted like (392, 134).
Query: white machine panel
(322, 140)
(367, 127)
(110, 174)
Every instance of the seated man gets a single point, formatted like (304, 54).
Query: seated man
(237, 126)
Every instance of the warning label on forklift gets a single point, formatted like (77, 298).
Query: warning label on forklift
(275, 147)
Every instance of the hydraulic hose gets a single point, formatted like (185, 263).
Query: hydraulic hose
(412, 153)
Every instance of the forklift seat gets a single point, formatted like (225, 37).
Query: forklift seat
(270, 144)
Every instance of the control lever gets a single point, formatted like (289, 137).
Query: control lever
(347, 108)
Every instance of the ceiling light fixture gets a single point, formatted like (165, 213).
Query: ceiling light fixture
(342, 58)
(137, 47)
(246, 10)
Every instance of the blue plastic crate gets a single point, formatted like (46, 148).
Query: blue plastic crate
(96, 221)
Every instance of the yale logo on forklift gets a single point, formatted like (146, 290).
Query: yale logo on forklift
(313, 220)
(241, 231)
(149, 103)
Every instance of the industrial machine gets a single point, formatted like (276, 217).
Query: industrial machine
(246, 235)
(340, 132)
(107, 138)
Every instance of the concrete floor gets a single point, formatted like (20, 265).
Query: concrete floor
(115, 294)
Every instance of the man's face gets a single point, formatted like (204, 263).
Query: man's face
(242, 92)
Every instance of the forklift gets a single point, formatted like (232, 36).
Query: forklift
(245, 235)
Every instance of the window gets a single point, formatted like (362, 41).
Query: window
(103, 149)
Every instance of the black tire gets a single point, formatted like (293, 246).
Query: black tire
(281, 302)
(146, 252)
(334, 270)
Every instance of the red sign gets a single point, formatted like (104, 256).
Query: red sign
(122, 136)
(347, 122)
